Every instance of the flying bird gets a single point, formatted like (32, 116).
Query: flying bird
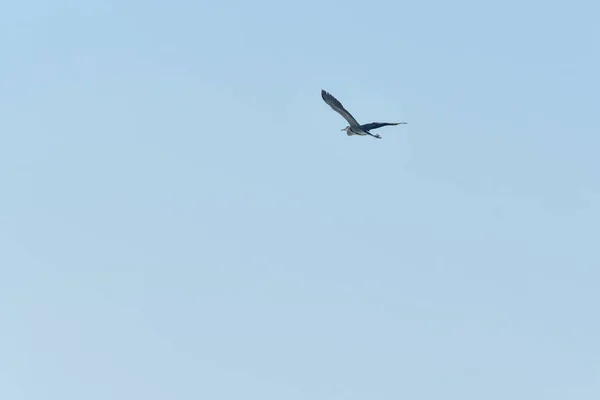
(354, 128)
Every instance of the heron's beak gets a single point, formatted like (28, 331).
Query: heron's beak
(344, 129)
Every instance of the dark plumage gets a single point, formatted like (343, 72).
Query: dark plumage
(354, 128)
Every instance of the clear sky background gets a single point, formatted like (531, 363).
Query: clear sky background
(182, 218)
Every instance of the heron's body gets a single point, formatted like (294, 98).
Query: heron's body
(354, 128)
(352, 132)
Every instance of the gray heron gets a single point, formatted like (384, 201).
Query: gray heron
(354, 128)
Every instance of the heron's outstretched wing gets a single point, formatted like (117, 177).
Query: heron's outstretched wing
(337, 106)
(375, 125)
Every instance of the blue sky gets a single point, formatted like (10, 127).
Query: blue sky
(181, 216)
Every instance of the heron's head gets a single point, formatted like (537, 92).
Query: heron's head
(346, 128)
